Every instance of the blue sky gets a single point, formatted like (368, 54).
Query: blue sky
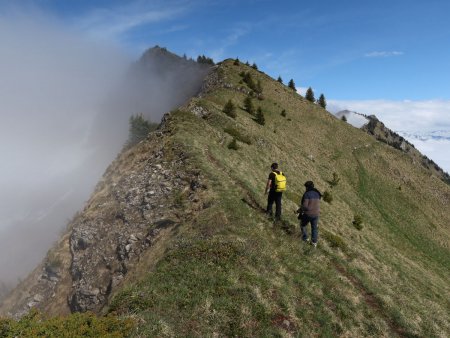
(350, 49)
(388, 58)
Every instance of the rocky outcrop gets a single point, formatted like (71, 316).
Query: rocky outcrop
(138, 199)
(125, 219)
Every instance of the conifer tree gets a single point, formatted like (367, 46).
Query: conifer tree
(260, 117)
(230, 109)
(291, 85)
(236, 62)
(233, 145)
(258, 87)
(310, 95)
(138, 129)
(248, 105)
(344, 118)
(247, 63)
(280, 80)
(322, 102)
(254, 66)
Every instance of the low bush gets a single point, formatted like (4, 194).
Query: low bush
(35, 324)
(233, 145)
(358, 222)
(238, 135)
(230, 109)
(327, 197)
(335, 241)
(335, 180)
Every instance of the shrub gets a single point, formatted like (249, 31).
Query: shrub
(139, 129)
(35, 324)
(344, 118)
(254, 66)
(291, 85)
(258, 88)
(236, 62)
(238, 136)
(260, 117)
(230, 109)
(358, 222)
(310, 95)
(283, 113)
(327, 197)
(335, 180)
(233, 145)
(322, 102)
(280, 80)
(248, 105)
(335, 241)
(205, 60)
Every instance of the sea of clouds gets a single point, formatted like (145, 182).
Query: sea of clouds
(426, 124)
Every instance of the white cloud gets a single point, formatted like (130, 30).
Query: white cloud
(377, 54)
(409, 117)
(230, 40)
(302, 90)
(111, 23)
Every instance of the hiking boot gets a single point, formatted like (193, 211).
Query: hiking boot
(314, 244)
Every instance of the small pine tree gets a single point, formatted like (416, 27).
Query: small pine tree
(233, 145)
(310, 95)
(283, 113)
(205, 60)
(260, 117)
(254, 66)
(344, 118)
(334, 182)
(280, 80)
(322, 102)
(358, 222)
(138, 129)
(291, 85)
(248, 105)
(248, 79)
(230, 109)
(247, 63)
(327, 197)
(236, 62)
(258, 87)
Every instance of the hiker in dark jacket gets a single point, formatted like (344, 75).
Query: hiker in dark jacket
(309, 212)
(275, 192)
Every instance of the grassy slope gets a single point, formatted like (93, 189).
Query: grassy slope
(232, 272)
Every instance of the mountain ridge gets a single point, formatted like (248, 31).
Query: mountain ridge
(221, 267)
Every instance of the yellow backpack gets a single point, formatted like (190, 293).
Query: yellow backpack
(280, 182)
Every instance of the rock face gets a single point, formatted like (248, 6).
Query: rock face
(136, 202)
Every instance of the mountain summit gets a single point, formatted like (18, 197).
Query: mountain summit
(175, 237)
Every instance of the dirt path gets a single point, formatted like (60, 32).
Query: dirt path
(371, 301)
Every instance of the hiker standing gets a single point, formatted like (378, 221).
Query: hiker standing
(309, 212)
(275, 186)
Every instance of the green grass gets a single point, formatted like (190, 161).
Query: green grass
(228, 270)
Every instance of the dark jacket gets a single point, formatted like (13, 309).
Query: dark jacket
(310, 204)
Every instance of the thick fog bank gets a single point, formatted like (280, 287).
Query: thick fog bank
(65, 102)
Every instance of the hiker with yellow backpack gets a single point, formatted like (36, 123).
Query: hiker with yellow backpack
(275, 186)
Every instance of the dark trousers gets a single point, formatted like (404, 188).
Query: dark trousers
(274, 197)
(314, 228)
